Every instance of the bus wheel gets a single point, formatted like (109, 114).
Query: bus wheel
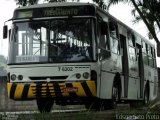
(45, 104)
(92, 105)
(115, 97)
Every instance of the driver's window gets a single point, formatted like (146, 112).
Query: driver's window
(114, 37)
(113, 29)
(103, 40)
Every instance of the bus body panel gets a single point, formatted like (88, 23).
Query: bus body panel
(109, 68)
(152, 78)
(49, 72)
(106, 84)
(54, 81)
(135, 89)
(27, 91)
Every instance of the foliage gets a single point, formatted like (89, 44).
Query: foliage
(56, 0)
(154, 105)
(32, 2)
(100, 3)
(26, 2)
(148, 11)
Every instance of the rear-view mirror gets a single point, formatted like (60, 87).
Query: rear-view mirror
(5, 31)
(158, 49)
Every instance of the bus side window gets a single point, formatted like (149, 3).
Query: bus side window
(132, 49)
(114, 37)
(154, 54)
(144, 47)
(104, 28)
(113, 29)
(145, 56)
(104, 40)
(131, 39)
(150, 56)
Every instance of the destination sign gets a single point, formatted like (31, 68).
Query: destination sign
(54, 12)
(60, 12)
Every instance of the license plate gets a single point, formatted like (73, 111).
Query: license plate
(70, 89)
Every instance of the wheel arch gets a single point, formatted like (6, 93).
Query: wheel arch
(117, 82)
(147, 87)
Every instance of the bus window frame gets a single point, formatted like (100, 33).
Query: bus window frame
(56, 18)
(101, 32)
(117, 38)
(131, 39)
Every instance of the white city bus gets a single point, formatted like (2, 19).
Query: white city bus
(76, 53)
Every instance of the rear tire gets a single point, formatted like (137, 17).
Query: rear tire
(116, 92)
(45, 104)
(146, 96)
(137, 104)
(112, 103)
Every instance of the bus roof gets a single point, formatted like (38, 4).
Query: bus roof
(65, 9)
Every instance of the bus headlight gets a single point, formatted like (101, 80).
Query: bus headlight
(20, 77)
(86, 75)
(78, 75)
(13, 77)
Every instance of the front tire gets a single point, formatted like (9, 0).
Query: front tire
(115, 97)
(45, 104)
(92, 105)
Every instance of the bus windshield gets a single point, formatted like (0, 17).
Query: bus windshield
(57, 40)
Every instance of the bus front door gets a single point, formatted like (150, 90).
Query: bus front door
(141, 68)
(125, 68)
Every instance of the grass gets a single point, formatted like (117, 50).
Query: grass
(151, 111)
(154, 106)
(58, 116)
(116, 115)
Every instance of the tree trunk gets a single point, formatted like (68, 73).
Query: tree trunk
(158, 82)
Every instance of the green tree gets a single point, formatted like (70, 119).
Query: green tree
(100, 3)
(148, 11)
(32, 2)
(26, 2)
(56, 0)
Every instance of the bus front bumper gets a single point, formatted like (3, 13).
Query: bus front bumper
(26, 91)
